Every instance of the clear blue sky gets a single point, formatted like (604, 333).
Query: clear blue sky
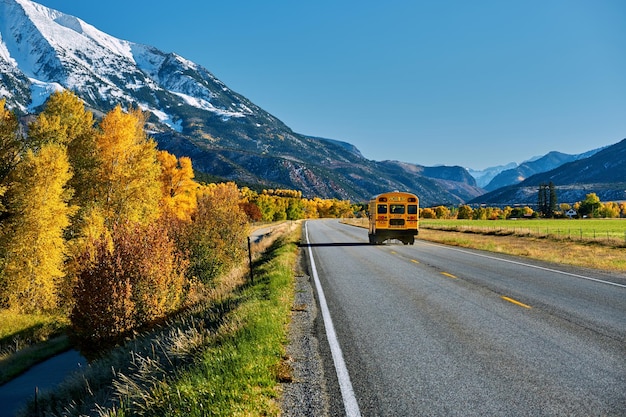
(454, 82)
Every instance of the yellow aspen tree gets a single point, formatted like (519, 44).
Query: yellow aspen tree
(32, 239)
(74, 120)
(266, 204)
(310, 209)
(65, 120)
(215, 239)
(247, 195)
(127, 178)
(324, 207)
(177, 185)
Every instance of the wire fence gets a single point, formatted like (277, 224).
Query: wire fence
(608, 237)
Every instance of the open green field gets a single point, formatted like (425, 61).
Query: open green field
(612, 231)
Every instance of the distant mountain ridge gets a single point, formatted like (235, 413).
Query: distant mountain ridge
(538, 165)
(603, 173)
(484, 176)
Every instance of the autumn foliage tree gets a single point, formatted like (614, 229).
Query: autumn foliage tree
(178, 188)
(130, 279)
(103, 309)
(126, 179)
(590, 206)
(215, 239)
(65, 121)
(32, 237)
(464, 212)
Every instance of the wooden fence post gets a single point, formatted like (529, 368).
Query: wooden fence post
(250, 260)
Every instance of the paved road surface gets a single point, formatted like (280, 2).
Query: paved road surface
(440, 331)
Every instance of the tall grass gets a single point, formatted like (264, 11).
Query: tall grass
(238, 374)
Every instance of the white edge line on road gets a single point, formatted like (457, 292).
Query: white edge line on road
(530, 265)
(349, 400)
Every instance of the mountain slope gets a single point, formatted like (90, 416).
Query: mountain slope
(191, 112)
(603, 173)
(527, 169)
(484, 176)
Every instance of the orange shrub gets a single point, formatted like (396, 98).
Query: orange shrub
(136, 280)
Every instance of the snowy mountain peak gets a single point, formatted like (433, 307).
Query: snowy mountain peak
(63, 32)
(42, 50)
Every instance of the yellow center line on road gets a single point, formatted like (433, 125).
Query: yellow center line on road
(511, 300)
(415, 261)
(449, 275)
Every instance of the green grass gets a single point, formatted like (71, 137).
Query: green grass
(37, 326)
(238, 375)
(611, 230)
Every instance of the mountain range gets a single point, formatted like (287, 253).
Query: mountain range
(518, 173)
(603, 173)
(192, 113)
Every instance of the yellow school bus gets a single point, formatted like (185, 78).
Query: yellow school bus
(393, 215)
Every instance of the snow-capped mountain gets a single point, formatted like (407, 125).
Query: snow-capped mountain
(192, 113)
(46, 50)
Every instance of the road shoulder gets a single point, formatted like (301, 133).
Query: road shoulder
(306, 395)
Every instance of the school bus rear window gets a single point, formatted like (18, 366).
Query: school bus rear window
(382, 209)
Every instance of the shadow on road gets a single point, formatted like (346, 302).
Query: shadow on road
(317, 245)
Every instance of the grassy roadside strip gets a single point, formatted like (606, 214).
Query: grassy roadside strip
(223, 357)
(582, 254)
(239, 373)
(585, 255)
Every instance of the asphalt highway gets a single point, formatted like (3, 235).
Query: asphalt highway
(434, 330)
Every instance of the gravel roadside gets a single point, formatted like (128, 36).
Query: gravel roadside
(306, 395)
